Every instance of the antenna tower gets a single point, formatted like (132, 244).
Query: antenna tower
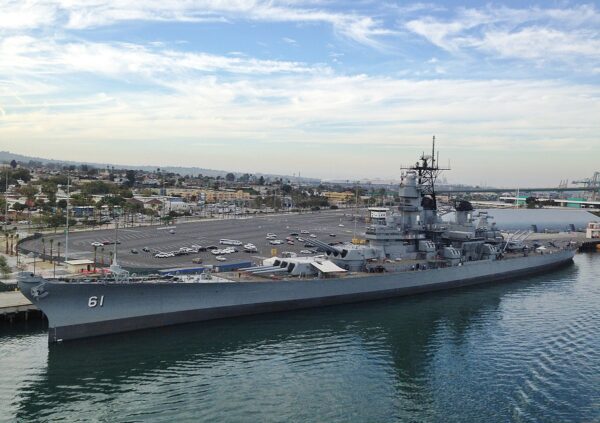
(428, 170)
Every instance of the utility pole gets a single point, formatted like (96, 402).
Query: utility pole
(6, 201)
(68, 202)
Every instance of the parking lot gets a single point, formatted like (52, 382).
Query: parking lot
(166, 239)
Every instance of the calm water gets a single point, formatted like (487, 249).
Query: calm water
(525, 351)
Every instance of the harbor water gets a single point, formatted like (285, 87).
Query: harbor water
(524, 350)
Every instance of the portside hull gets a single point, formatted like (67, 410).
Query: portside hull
(136, 306)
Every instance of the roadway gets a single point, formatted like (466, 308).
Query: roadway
(204, 233)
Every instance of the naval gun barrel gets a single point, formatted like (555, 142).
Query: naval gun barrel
(323, 245)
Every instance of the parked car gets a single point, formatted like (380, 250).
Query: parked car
(221, 258)
(146, 250)
(197, 260)
(97, 244)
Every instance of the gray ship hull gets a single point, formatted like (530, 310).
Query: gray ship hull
(85, 309)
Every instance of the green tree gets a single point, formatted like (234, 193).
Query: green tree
(29, 191)
(96, 188)
(230, 177)
(130, 175)
(22, 174)
(82, 199)
(286, 189)
(50, 189)
(531, 202)
(4, 267)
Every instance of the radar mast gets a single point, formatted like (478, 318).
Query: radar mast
(428, 170)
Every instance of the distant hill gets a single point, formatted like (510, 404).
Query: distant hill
(7, 156)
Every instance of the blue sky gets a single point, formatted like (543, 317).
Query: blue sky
(343, 90)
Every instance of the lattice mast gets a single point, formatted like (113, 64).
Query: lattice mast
(428, 170)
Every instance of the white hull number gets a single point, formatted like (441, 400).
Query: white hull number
(95, 301)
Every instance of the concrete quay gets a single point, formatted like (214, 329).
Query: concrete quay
(13, 305)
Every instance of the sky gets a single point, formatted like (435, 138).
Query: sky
(324, 88)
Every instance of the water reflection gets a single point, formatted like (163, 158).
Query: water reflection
(375, 345)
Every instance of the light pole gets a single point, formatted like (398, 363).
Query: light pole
(6, 202)
(17, 249)
(95, 255)
(68, 202)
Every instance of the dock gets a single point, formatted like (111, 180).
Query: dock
(590, 245)
(13, 305)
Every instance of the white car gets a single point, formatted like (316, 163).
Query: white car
(304, 231)
(271, 237)
(221, 258)
(23, 222)
(162, 255)
(305, 252)
(276, 242)
(312, 236)
(341, 225)
(97, 244)
(216, 252)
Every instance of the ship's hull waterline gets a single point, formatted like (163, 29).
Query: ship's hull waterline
(85, 309)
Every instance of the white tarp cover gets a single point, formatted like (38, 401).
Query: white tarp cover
(327, 267)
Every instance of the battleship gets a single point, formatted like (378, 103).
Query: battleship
(408, 249)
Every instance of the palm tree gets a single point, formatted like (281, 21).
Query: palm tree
(10, 249)
(58, 252)
(43, 249)
(51, 244)
(95, 252)
(17, 247)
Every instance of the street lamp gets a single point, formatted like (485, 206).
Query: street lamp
(32, 255)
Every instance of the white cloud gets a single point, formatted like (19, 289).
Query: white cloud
(85, 14)
(26, 14)
(548, 35)
(541, 44)
(37, 56)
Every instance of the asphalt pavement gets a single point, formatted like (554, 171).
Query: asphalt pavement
(205, 233)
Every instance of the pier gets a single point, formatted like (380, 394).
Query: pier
(13, 305)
